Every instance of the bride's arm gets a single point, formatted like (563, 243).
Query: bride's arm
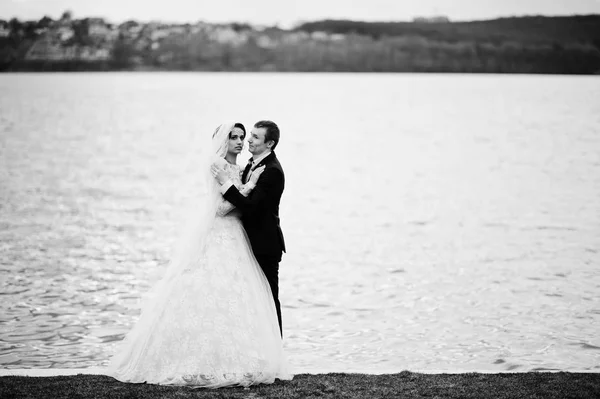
(270, 186)
(225, 206)
(247, 188)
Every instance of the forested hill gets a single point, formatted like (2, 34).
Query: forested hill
(530, 29)
(536, 44)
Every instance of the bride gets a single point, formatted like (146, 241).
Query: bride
(211, 321)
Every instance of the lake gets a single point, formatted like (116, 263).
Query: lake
(433, 222)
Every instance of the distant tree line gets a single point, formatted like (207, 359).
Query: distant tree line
(554, 45)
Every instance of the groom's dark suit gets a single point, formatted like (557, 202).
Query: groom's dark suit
(260, 216)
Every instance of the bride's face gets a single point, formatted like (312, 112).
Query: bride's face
(236, 141)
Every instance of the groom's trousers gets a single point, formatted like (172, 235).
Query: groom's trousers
(270, 266)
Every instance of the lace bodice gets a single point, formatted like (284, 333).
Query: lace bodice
(234, 172)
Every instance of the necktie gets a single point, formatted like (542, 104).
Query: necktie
(248, 170)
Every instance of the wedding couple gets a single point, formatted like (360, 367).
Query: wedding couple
(214, 319)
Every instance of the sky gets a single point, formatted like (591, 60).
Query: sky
(287, 13)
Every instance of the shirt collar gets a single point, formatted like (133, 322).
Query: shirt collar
(259, 159)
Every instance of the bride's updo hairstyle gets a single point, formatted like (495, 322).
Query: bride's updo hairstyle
(238, 125)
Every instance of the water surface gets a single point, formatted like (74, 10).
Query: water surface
(433, 222)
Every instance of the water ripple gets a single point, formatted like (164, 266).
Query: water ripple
(472, 244)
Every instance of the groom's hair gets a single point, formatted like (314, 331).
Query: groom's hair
(272, 131)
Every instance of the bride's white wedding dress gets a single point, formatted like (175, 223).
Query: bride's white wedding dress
(213, 323)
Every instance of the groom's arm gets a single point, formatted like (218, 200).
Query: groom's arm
(268, 184)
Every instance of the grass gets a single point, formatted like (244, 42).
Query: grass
(403, 385)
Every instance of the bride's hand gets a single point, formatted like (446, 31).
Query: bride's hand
(256, 174)
(219, 173)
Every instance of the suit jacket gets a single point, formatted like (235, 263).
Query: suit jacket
(260, 210)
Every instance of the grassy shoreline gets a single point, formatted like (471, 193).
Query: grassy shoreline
(334, 385)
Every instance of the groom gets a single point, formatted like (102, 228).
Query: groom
(260, 210)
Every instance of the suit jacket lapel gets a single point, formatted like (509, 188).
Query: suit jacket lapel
(267, 159)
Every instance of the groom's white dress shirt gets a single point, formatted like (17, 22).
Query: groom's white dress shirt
(255, 161)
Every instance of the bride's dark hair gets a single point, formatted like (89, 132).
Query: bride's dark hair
(239, 125)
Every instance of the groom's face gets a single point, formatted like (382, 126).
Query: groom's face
(256, 142)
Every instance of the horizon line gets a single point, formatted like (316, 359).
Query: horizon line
(301, 22)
